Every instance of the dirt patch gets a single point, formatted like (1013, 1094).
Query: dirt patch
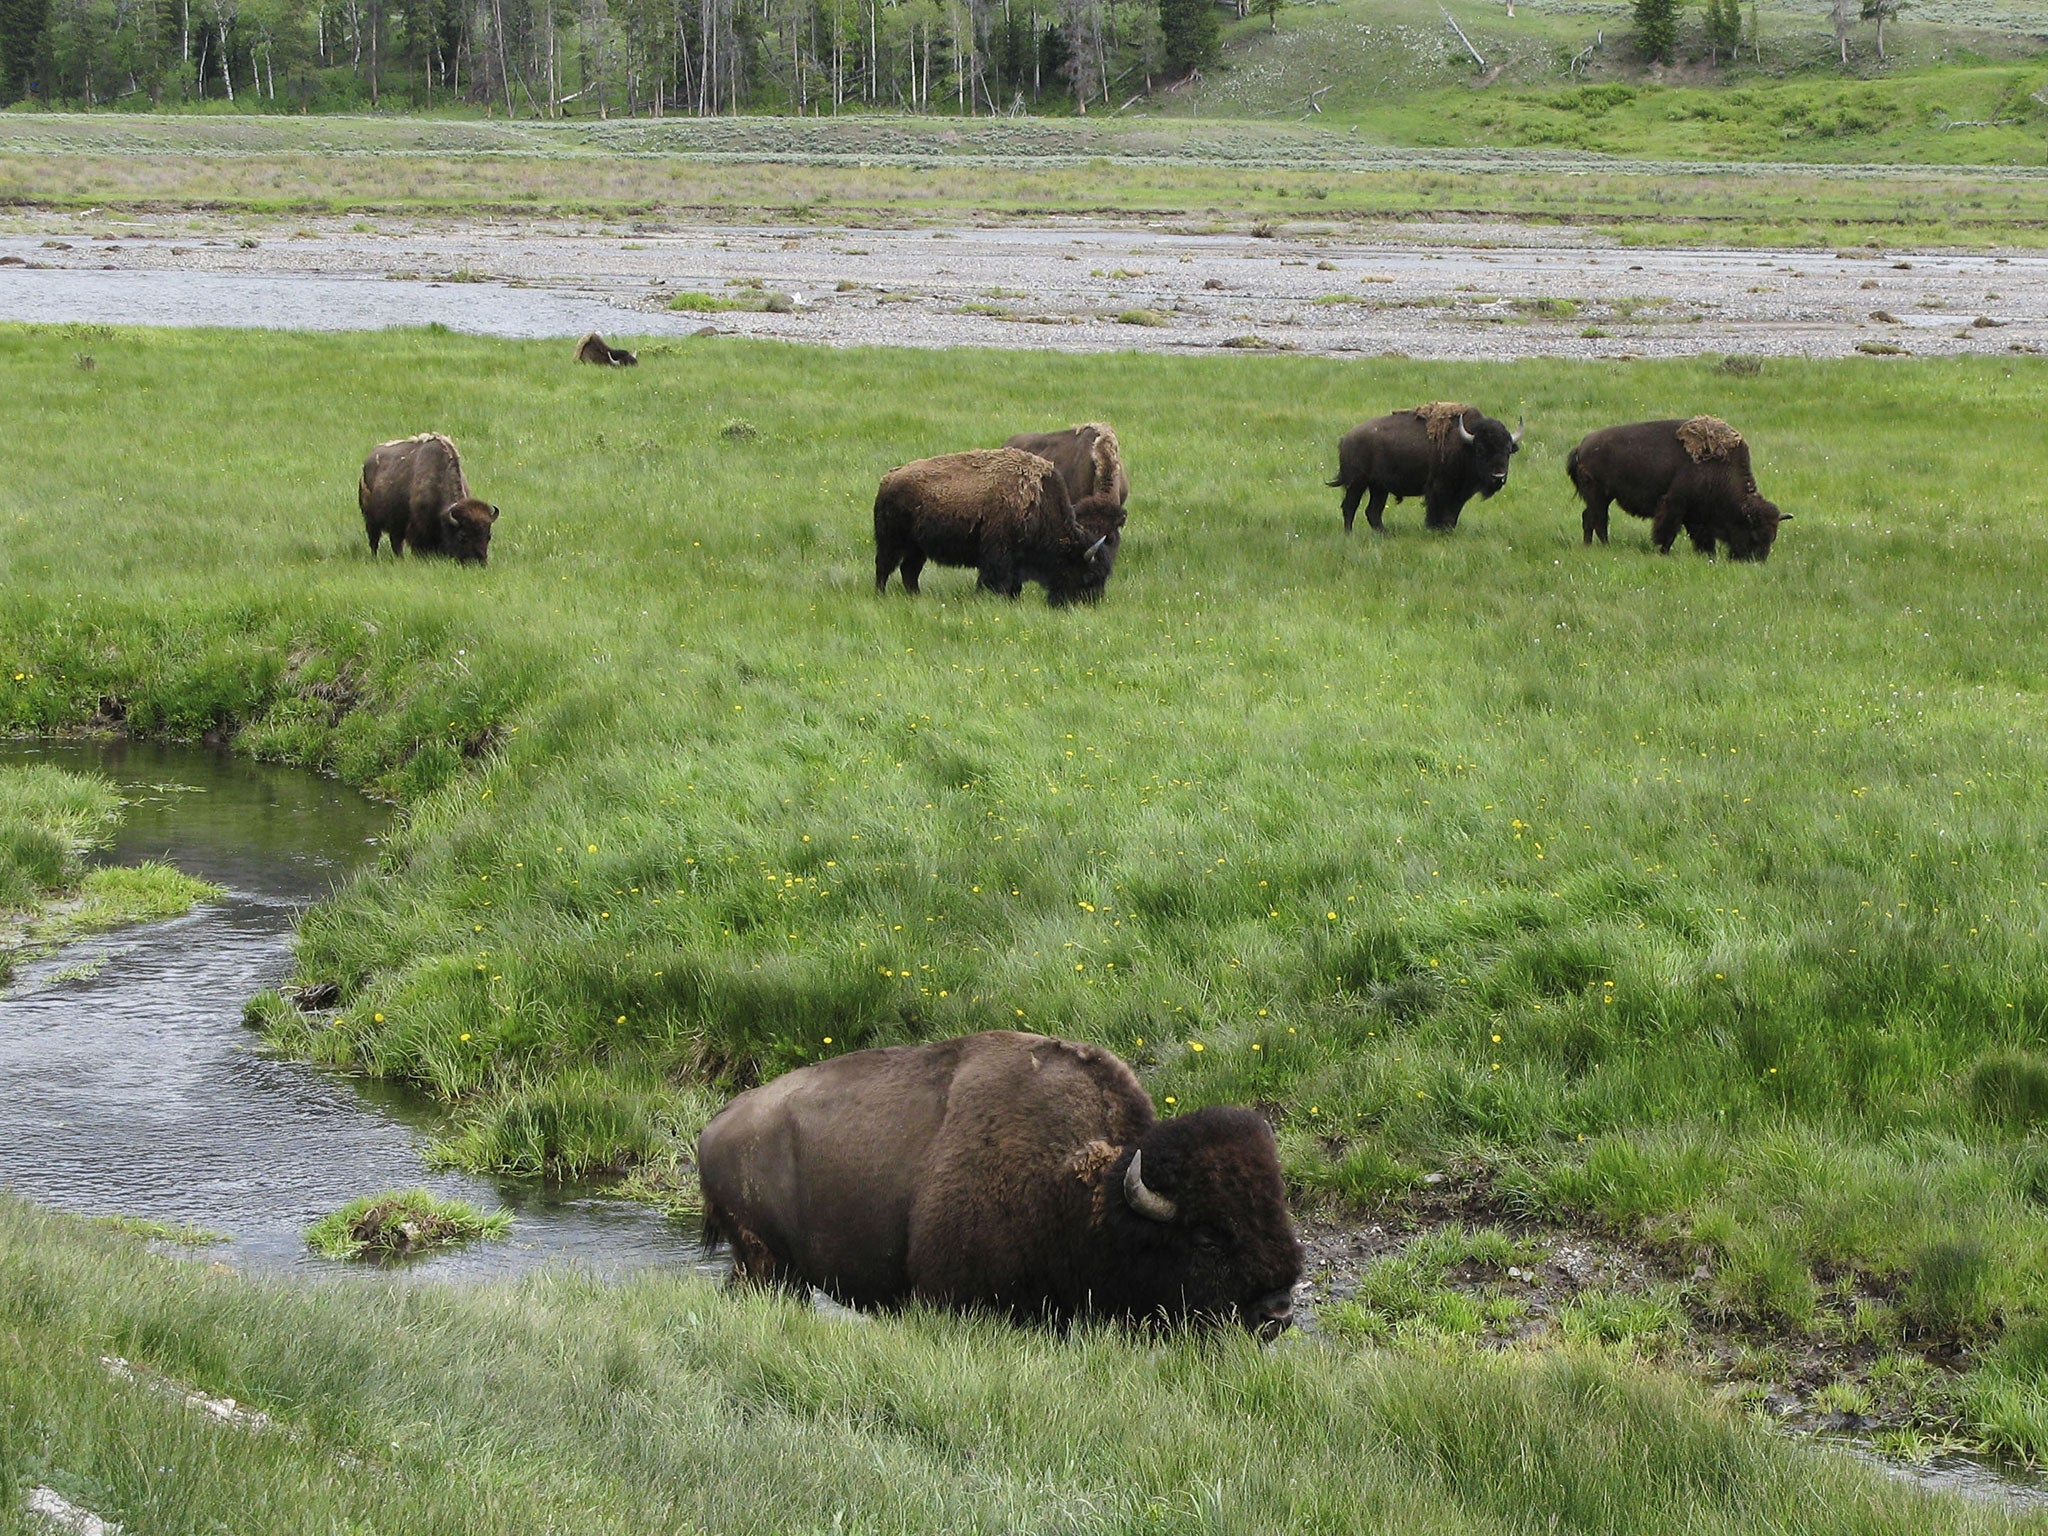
(1454, 1260)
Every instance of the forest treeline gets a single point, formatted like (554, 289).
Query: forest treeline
(549, 58)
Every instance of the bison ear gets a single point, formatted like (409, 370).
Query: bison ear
(1122, 515)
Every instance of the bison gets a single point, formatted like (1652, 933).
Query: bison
(1003, 511)
(1003, 1171)
(1088, 458)
(1691, 474)
(1444, 452)
(414, 490)
(595, 349)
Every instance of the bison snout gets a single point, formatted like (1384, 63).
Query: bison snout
(1273, 1314)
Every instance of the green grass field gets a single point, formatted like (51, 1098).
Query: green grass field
(1694, 903)
(661, 1404)
(1191, 173)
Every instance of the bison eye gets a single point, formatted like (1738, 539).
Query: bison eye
(1209, 1240)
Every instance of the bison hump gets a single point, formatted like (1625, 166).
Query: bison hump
(1438, 416)
(994, 479)
(1108, 453)
(1708, 437)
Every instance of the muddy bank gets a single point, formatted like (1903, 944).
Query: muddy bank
(1423, 292)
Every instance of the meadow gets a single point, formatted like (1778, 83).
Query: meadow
(1694, 904)
(1513, 159)
(662, 1404)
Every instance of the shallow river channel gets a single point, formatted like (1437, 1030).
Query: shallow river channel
(133, 1088)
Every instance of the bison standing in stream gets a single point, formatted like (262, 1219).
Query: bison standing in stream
(1003, 511)
(1088, 457)
(1444, 452)
(1692, 474)
(414, 491)
(1006, 1171)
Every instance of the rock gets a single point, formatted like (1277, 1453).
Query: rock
(57, 1513)
(1432, 1179)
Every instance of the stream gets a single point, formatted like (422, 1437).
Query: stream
(133, 1087)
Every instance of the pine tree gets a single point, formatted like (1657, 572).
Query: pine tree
(1657, 28)
(1724, 26)
(21, 34)
(1191, 32)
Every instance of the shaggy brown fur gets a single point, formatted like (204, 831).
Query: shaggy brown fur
(989, 1171)
(595, 349)
(1001, 510)
(1691, 476)
(1709, 437)
(1438, 416)
(413, 491)
(1088, 457)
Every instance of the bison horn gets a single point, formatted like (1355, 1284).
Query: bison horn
(1517, 438)
(1464, 432)
(1096, 548)
(1153, 1207)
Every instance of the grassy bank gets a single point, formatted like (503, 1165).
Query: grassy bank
(49, 821)
(661, 1404)
(1193, 174)
(1695, 902)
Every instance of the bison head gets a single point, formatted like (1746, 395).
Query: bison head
(466, 530)
(1198, 1224)
(1754, 528)
(1082, 577)
(1487, 447)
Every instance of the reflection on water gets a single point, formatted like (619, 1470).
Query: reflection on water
(133, 1088)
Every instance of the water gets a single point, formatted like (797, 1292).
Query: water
(136, 1090)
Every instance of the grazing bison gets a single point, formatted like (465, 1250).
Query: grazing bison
(1088, 458)
(1006, 1171)
(414, 491)
(1444, 452)
(595, 349)
(1001, 510)
(1692, 474)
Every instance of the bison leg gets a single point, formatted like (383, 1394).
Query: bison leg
(1440, 515)
(375, 534)
(1352, 493)
(887, 558)
(1664, 525)
(1595, 520)
(998, 574)
(1375, 511)
(913, 567)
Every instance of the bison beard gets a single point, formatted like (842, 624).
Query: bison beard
(1692, 475)
(1005, 1171)
(1004, 512)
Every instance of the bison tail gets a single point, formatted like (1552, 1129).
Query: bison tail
(1571, 466)
(716, 1232)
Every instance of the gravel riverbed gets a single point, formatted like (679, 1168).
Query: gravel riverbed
(1476, 292)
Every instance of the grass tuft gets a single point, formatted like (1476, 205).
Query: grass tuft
(398, 1224)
